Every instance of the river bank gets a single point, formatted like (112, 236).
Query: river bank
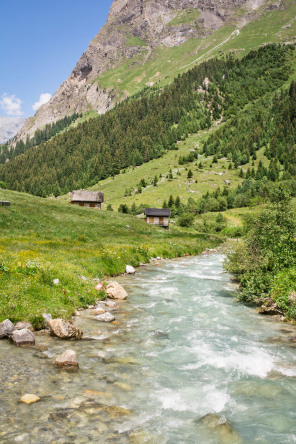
(43, 240)
(182, 348)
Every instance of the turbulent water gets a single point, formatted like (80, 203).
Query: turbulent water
(181, 348)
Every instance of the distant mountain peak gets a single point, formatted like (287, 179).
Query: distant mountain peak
(9, 126)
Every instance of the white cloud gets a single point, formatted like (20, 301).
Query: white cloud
(44, 98)
(11, 105)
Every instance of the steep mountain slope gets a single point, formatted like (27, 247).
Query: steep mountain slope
(147, 41)
(148, 125)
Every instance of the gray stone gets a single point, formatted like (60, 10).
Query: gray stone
(56, 281)
(23, 337)
(64, 329)
(6, 328)
(105, 317)
(21, 325)
(68, 359)
(111, 304)
(98, 311)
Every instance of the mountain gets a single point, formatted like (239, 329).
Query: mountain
(9, 126)
(150, 124)
(146, 42)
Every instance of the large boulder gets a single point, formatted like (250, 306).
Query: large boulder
(115, 291)
(64, 329)
(23, 337)
(6, 328)
(105, 317)
(67, 360)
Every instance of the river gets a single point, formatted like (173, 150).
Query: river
(181, 348)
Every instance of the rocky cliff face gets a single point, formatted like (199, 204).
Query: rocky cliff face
(131, 26)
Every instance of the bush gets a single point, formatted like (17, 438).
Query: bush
(186, 220)
(267, 252)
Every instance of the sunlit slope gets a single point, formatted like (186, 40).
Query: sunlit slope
(44, 239)
(161, 66)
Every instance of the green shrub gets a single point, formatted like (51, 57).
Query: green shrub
(186, 220)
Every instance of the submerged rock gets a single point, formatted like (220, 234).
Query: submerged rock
(98, 311)
(111, 304)
(64, 329)
(6, 329)
(219, 426)
(23, 337)
(67, 360)
(144, 436)
(115, 291)
(105, 317)
(28, 398)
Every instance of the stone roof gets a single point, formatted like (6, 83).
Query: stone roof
(87, 196)
(158, 212)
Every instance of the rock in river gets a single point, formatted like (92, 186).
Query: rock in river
(115, 291)
(219, 428)
(105, 317)
(64, 329)
(28, 398)
(68, 359)
(23, 337)
(6, 328)
(21, 325)
(129, 269)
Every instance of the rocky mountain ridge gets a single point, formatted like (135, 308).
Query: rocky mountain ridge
(134, 29)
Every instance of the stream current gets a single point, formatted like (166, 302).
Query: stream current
(181, 348)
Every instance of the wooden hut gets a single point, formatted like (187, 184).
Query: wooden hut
(158, 216)
(85, 198)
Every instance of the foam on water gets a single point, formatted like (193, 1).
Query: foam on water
(184, 348)
(250, 361)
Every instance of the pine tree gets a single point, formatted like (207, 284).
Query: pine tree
(189, 174)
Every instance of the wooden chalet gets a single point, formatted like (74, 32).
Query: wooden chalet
(84, 198)
(157, 216)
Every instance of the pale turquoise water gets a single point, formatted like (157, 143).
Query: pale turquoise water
(183, 348)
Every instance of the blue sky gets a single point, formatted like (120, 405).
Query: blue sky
(40, 43)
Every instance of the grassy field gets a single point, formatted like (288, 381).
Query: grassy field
(163, 64)
(46, 239)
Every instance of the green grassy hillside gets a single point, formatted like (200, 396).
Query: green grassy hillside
(163, 64)
(123, 188)
(44, 239)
